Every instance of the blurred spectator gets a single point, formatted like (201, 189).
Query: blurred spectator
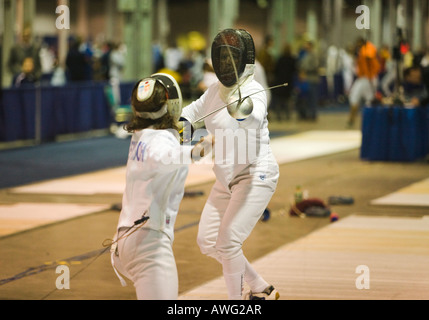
(184, 69)
(47, 59)
(408, 59)
(209, 76)
(76, 63)
(116, 67)
(158, 57)
(88, 53)
(417, 85)
(58, 76)
(27, 74)
(173, 58)
(424, 99)
(333, 68)
(116, 61)
(413, 83)
(310, 80)
(105, 62)
(266, 58)
(285, 72)
(197, 68)
(26, 48)
(424, 62)
(348, 68)
(365, 86)
(389, 77)
(384, 57)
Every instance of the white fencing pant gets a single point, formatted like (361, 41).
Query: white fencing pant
(362, 89)
(146, 258)
(228, 218)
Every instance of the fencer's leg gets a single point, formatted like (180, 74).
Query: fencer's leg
(247, 203)
(162, 286)
(354, 110)
(210, 221)
(253, 279)
(359, 90)
(148, 259)
(233, 274)
(237, 271)
(207, 231)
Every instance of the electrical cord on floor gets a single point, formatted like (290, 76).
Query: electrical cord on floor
(107, 243)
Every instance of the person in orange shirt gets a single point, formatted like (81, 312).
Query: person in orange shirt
(365, 86)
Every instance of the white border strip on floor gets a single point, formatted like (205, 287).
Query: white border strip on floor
(325, 264)
(23, 216)
(286, 149)
(417, 194)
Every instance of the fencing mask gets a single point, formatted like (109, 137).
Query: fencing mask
(174, 102)
(232, 50)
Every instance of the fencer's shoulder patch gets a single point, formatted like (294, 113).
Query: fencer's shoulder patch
(145, 89)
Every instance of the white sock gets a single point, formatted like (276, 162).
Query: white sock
(233, 273)
(234, 284)
(253, 279)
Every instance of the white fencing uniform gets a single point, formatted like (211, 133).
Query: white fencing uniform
(243, 188)
(156, 172)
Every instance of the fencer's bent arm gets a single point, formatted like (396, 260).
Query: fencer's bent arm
(238, 101)
(255, 119)
(167, 154)
(259, 107)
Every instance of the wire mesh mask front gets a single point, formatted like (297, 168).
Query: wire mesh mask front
(230, 55)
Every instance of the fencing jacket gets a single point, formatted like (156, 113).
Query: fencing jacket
(156, 172)
(241, 147)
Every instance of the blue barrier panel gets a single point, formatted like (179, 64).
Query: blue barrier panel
(410, 138)
(409, 144)
(19, 113)
(367, 118)
(48, 129)
(84, 112)
(394, 133)
(420, 130)
(2, 124)
(126, 90)
(69, 109)
(102, 116)
(380, 139)
(375, 134)
(425, 133)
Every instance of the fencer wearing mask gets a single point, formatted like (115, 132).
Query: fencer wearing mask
(157, 168)
(243, 186)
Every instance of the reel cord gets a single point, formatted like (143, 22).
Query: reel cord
(137, 225)
(107, 243)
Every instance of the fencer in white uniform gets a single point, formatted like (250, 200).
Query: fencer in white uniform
(156, 172)
(246, 170)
